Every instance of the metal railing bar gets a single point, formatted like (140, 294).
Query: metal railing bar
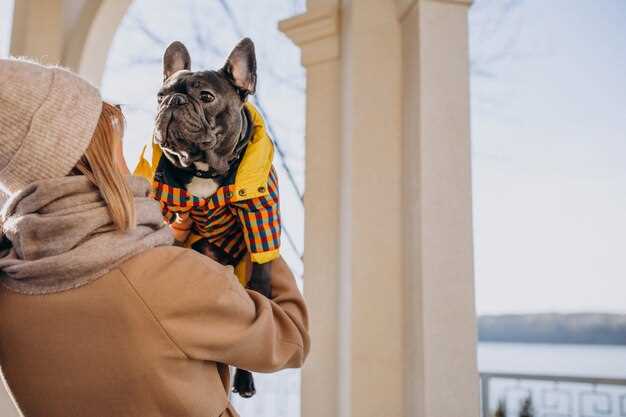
(553, 378)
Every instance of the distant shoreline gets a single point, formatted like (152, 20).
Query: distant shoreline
(549, 328)
(499, 342)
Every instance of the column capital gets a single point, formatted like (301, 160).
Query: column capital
(403, 6)
(316, 32)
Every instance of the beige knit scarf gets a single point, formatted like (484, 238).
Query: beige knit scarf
(62, 235)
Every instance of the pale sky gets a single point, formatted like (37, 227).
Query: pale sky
(6, 10)
(549, 151)
(549, 157)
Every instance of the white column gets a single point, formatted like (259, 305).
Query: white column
(74, 33)
(37, 30)
(317, 33)
(441, 328)
(371, 211)
(87, 46)
(388, 262)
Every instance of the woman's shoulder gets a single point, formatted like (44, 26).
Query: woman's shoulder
(169, 258)
(170, 269)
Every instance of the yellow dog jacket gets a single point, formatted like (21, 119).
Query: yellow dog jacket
(243, 215)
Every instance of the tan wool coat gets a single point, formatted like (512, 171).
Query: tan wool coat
(150, 338)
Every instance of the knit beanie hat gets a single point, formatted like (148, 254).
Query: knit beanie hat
(47, 118)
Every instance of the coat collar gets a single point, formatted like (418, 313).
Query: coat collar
(253, 172)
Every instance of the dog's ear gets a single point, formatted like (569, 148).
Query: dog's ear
(240, 68)
(176, 58)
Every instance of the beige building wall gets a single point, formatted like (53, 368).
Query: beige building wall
(388, 194)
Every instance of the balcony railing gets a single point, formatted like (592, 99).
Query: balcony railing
(553, 396)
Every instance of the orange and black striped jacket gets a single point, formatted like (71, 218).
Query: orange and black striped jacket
(243, 214)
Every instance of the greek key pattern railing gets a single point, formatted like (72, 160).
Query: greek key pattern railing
(551, 396)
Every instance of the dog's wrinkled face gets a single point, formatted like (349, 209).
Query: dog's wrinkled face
(200, 113)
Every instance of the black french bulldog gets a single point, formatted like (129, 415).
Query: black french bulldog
(203, 129)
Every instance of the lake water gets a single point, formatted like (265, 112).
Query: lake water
(575, 360)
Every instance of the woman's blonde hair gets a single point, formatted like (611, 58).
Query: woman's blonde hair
(99, 164)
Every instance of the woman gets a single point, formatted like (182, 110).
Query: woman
(99, 314)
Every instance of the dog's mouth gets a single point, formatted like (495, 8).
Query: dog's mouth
(184, 134)
(182, 159)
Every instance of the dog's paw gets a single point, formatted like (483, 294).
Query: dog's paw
(244, 384)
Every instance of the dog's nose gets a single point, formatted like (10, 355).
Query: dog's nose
(177, 99)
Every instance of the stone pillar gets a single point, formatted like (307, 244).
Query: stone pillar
(371, 212)
(37, 30)
(440, 315)
(87, 46)
(317, 33)
(74, 33)
(388, 261)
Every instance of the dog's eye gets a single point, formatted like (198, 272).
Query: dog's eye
(159, 98)
(206, 97)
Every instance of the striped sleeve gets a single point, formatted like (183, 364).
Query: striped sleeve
(260, 220)
(168, 215)
(169, 199)
(169, 212)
